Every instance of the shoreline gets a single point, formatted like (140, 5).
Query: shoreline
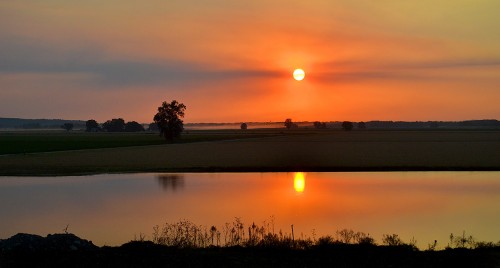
(262, 170)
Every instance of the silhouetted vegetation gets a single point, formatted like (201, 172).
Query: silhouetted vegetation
(117, 125)
(186, 234)
(67, 126)
(345, 248)
(114, 125)
(243, 126)
(133, 127)
(31, 126)
(319, 125)
(18, 123)
(92, 126)
(289, 124)
(434, 124)
(186, 244)
(361, 125)
(153, 127)
(392, 240)
(470, 124)
(347, 126)
(168, 119)
(479, 123)
(463, 241)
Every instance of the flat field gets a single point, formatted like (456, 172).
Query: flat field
(50, 141)
(268, 150)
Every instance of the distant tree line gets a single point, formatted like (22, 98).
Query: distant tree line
(167, 121)
(319, 125)
(113, 125)
(19, 123)
(348, 125)
(289, 124)
(67, 126)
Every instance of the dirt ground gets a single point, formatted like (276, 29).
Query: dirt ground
(315, 151)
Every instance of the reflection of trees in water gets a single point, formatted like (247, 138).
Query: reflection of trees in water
(171, 181)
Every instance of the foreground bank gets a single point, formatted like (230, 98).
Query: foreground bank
(67, 250)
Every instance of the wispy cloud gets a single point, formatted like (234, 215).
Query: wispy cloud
(352, 71)
(447, 64)
(19, 57)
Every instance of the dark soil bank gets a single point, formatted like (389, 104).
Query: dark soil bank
(67, 250)
(305, 150)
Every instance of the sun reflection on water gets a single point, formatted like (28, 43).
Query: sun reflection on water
(299, 182)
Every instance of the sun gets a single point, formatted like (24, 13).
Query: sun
(299, 74)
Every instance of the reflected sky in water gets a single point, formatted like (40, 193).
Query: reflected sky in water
(111, 209)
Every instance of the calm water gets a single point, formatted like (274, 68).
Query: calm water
(112, 209)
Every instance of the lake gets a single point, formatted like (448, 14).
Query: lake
(112, 209)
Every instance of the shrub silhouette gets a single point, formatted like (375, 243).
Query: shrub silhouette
(347, 126)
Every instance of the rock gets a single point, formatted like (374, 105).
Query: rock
(54, 242)
(68, 242)
(25, 242)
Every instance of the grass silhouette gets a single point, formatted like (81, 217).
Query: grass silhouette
(235, 244)
(186, 234)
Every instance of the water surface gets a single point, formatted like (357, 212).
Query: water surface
(112, 209)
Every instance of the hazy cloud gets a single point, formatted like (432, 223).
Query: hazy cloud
(26, 56)
(448, 64)
(22, 57)
(369, 70)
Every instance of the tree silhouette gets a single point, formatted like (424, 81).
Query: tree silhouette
(67, 126)
(168, 119)
(288, 123)
(114, 125)
(133, 126)
(243, 126)
(361, 125)
(347, 126)
(153, 127)
(319, 125)
(92, 126)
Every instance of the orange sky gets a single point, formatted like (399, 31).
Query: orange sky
(233, 61)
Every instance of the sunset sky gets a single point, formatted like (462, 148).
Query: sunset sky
(232, 61)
